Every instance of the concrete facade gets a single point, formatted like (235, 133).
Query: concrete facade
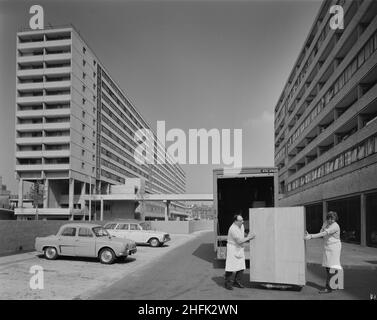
(75, 128)
(326, 123)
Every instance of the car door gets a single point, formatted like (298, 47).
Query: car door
(122, 230)
(67, 241)
(85, 243)
(136, 234)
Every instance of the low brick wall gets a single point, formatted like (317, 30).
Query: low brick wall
(19, 236)
(198, 225)
(182, 227)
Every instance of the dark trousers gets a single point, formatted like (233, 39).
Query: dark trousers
(237, 277)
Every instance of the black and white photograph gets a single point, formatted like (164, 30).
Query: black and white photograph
(192, 153)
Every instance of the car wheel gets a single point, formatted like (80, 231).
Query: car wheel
(154, 242)
(50, 253)
(106, 256)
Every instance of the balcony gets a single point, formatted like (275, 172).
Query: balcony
(29, 140)
(56, 126)
(57, 43)
(57, 71)
(29, 127)
(57, 84)
(31, 45)
(57, 98)
(30, 86)
(58, 56)
(29, 154)
(56, 139)
(56, 167)
(30, 58)
(29, 167)
(56, 153)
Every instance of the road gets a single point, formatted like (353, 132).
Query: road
(189, 272)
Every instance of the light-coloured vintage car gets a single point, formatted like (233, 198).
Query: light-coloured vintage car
(84, 240)
(134, 231)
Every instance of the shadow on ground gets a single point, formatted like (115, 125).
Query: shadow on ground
(85, 259)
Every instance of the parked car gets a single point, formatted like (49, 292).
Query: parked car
(84, 240)
(134, 231)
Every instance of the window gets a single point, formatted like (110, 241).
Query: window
(82, 165)
(83, 127)
(83, 88)
(83, 62)
(83, 75)
(93, 145)
(94, 133)
(94, 110)
(94, 122)
(94, 62)
(83, 152)
(83, 114)
(83, 100)
(122, 226)
(94, 74)
(134, 227)
(110, 226)
(83, 50)
(85, 232)
(83, 140)
(69, 232)
(93, 157)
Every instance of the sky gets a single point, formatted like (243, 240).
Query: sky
(193, 64)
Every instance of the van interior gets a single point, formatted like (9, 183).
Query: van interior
(238, 195)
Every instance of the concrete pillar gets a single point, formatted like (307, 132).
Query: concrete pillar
(324, 210)
(45, 194)
(70, 196)
(82, 201)
(101, 216)
(167, 203)
(108, 188)
(20, 193)
(363, 216)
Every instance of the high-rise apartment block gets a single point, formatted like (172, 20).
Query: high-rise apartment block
(75, 127)
(326, 124)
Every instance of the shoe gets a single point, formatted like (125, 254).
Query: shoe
(238, 284)
(228, 285)
(325, 291)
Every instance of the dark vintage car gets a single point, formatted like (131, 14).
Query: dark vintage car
(84, 240)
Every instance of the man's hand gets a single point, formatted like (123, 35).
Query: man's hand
(251, 236)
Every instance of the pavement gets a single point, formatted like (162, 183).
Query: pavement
(192, 273)
(183, 269)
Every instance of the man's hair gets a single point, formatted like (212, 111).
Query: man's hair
(332, 215)
(236, 216)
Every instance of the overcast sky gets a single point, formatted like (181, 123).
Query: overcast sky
(194, 64)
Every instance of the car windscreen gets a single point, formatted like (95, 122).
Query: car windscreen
(100, 232)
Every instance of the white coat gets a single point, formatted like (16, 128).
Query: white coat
(235, 253)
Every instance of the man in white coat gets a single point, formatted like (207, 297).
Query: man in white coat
(235, 253)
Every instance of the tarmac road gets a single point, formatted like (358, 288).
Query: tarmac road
(190, 272)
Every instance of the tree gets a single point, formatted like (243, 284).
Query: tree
(37, 193)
